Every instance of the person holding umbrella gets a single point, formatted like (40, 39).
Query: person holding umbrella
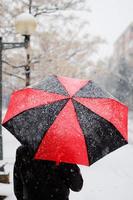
(39, 179)
(64, 120)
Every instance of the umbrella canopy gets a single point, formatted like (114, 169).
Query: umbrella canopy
(67, 120)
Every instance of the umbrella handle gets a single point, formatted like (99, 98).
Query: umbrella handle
(57, 163)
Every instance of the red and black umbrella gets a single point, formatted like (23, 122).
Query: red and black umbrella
(67, 120)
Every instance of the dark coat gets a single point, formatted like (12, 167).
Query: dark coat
(39, 179)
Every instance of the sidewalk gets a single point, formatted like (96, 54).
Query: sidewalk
(10, 144)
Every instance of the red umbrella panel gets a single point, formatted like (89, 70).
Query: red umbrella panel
(67, 120)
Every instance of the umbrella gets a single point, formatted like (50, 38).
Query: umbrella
(67, 120)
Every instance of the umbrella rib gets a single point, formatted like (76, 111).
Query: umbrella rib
(82, 133)
(109, 134)
(51, 125)
(81, 88)
(62, 85)
(97, 112)
(100, 116)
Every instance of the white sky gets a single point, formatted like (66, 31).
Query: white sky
(109, 18)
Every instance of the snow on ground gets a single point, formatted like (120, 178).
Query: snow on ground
(109, 178)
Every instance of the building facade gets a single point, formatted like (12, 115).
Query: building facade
(123, 47)
(121, 66)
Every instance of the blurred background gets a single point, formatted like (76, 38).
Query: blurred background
(87, 39)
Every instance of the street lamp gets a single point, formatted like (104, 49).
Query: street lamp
(25, 25)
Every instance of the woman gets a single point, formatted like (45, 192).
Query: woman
(39, 179)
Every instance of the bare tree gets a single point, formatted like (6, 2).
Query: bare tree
(62, 44)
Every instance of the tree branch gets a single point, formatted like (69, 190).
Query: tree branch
(14, 66)
(69, 5)
(20, 66)
(10, 74)
(30, 6)
(45, 11)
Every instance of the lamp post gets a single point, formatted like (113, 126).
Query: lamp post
(25, 25)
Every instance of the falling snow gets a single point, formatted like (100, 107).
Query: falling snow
(103, 138)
